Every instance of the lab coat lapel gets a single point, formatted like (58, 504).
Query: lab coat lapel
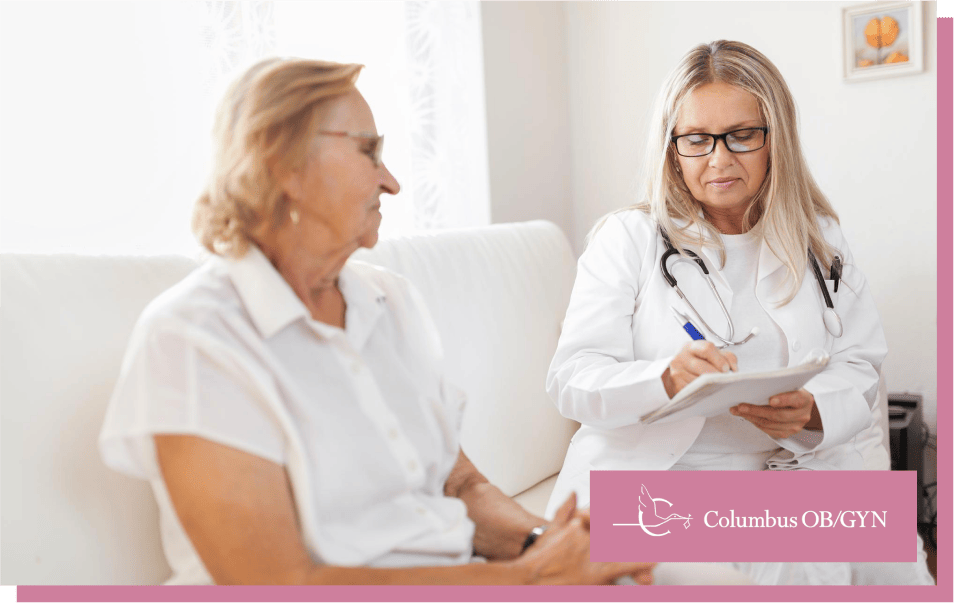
(770, 273)
(768, 261)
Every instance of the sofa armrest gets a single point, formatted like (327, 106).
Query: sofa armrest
(534, 499)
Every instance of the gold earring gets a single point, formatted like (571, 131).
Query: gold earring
(294, 215)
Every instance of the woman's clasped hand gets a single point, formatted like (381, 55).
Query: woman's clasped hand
(562, 554)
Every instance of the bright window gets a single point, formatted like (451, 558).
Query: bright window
(106, 110)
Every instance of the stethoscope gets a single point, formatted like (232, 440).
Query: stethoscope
(829, 316)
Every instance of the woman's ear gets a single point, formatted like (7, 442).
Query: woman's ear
(292, 186)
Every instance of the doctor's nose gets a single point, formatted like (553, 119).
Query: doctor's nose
(721, 156)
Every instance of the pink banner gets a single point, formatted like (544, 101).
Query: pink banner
(753, 515)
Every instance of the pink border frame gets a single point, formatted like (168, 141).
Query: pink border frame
(942, 592)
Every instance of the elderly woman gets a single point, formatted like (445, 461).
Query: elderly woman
(287, 406)
(726, 187)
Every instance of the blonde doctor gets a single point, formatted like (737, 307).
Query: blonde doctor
(726, 180)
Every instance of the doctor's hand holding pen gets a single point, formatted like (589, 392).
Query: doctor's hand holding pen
(785, 415)
(694, 359)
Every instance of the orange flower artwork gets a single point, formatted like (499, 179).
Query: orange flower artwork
(881, 32)
(882, 40)
(896, 57)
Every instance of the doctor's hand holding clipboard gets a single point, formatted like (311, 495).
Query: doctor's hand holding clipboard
(786, 413)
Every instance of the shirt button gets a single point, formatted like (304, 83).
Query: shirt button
(393, 433)
(796, 345)
(412, 465)
(421, 510)
(356, 367)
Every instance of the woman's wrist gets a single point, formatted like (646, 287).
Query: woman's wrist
(532, 537)
(523, 569)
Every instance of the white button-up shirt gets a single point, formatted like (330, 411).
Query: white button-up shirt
(361, 418)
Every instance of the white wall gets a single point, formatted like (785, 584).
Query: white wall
(871, 145)
(528, 111)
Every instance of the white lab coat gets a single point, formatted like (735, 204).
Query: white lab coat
(619, 336)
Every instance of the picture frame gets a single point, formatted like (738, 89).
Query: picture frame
(882, 39)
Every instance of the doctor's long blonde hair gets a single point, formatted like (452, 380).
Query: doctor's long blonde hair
(789, 202)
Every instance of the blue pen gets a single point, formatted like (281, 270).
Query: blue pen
(684, 322)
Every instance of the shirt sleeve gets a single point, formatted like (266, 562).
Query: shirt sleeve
(594, 377)
(178, 379)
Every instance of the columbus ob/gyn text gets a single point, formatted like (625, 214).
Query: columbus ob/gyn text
(809, 519)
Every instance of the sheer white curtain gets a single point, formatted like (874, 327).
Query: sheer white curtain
(448, 117)
(106, 110)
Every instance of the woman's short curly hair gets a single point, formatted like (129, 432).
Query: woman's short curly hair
(263, 127)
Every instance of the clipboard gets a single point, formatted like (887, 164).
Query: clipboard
(715, 393)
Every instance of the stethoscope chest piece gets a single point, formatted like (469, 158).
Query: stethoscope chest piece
(832, 322)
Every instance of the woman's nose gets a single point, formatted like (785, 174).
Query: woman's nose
(390, 183)
(720, 156)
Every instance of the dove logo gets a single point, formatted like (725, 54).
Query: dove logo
(653, 515)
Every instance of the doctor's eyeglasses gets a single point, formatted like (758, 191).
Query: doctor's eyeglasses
(738, 141)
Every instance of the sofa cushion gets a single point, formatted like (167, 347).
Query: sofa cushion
(535, 498)
(498, 295)
(64, 324)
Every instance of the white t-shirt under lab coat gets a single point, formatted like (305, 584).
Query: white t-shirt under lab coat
(361, 418)
(727, 441)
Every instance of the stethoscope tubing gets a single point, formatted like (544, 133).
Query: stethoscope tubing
(829, 316)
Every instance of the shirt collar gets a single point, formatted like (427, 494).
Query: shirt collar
(364, 298)
(273, 304)
(268, 297)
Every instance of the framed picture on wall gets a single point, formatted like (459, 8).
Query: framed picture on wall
(882, 39)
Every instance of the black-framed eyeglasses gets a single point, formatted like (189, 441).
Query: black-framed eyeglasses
(699, 144)
(377, 142)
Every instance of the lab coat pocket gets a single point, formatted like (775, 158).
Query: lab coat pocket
(803, 320)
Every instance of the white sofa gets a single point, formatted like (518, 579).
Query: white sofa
(498, 295)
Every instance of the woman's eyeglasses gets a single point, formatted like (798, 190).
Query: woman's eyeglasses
(376, 143)
(738, 141)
